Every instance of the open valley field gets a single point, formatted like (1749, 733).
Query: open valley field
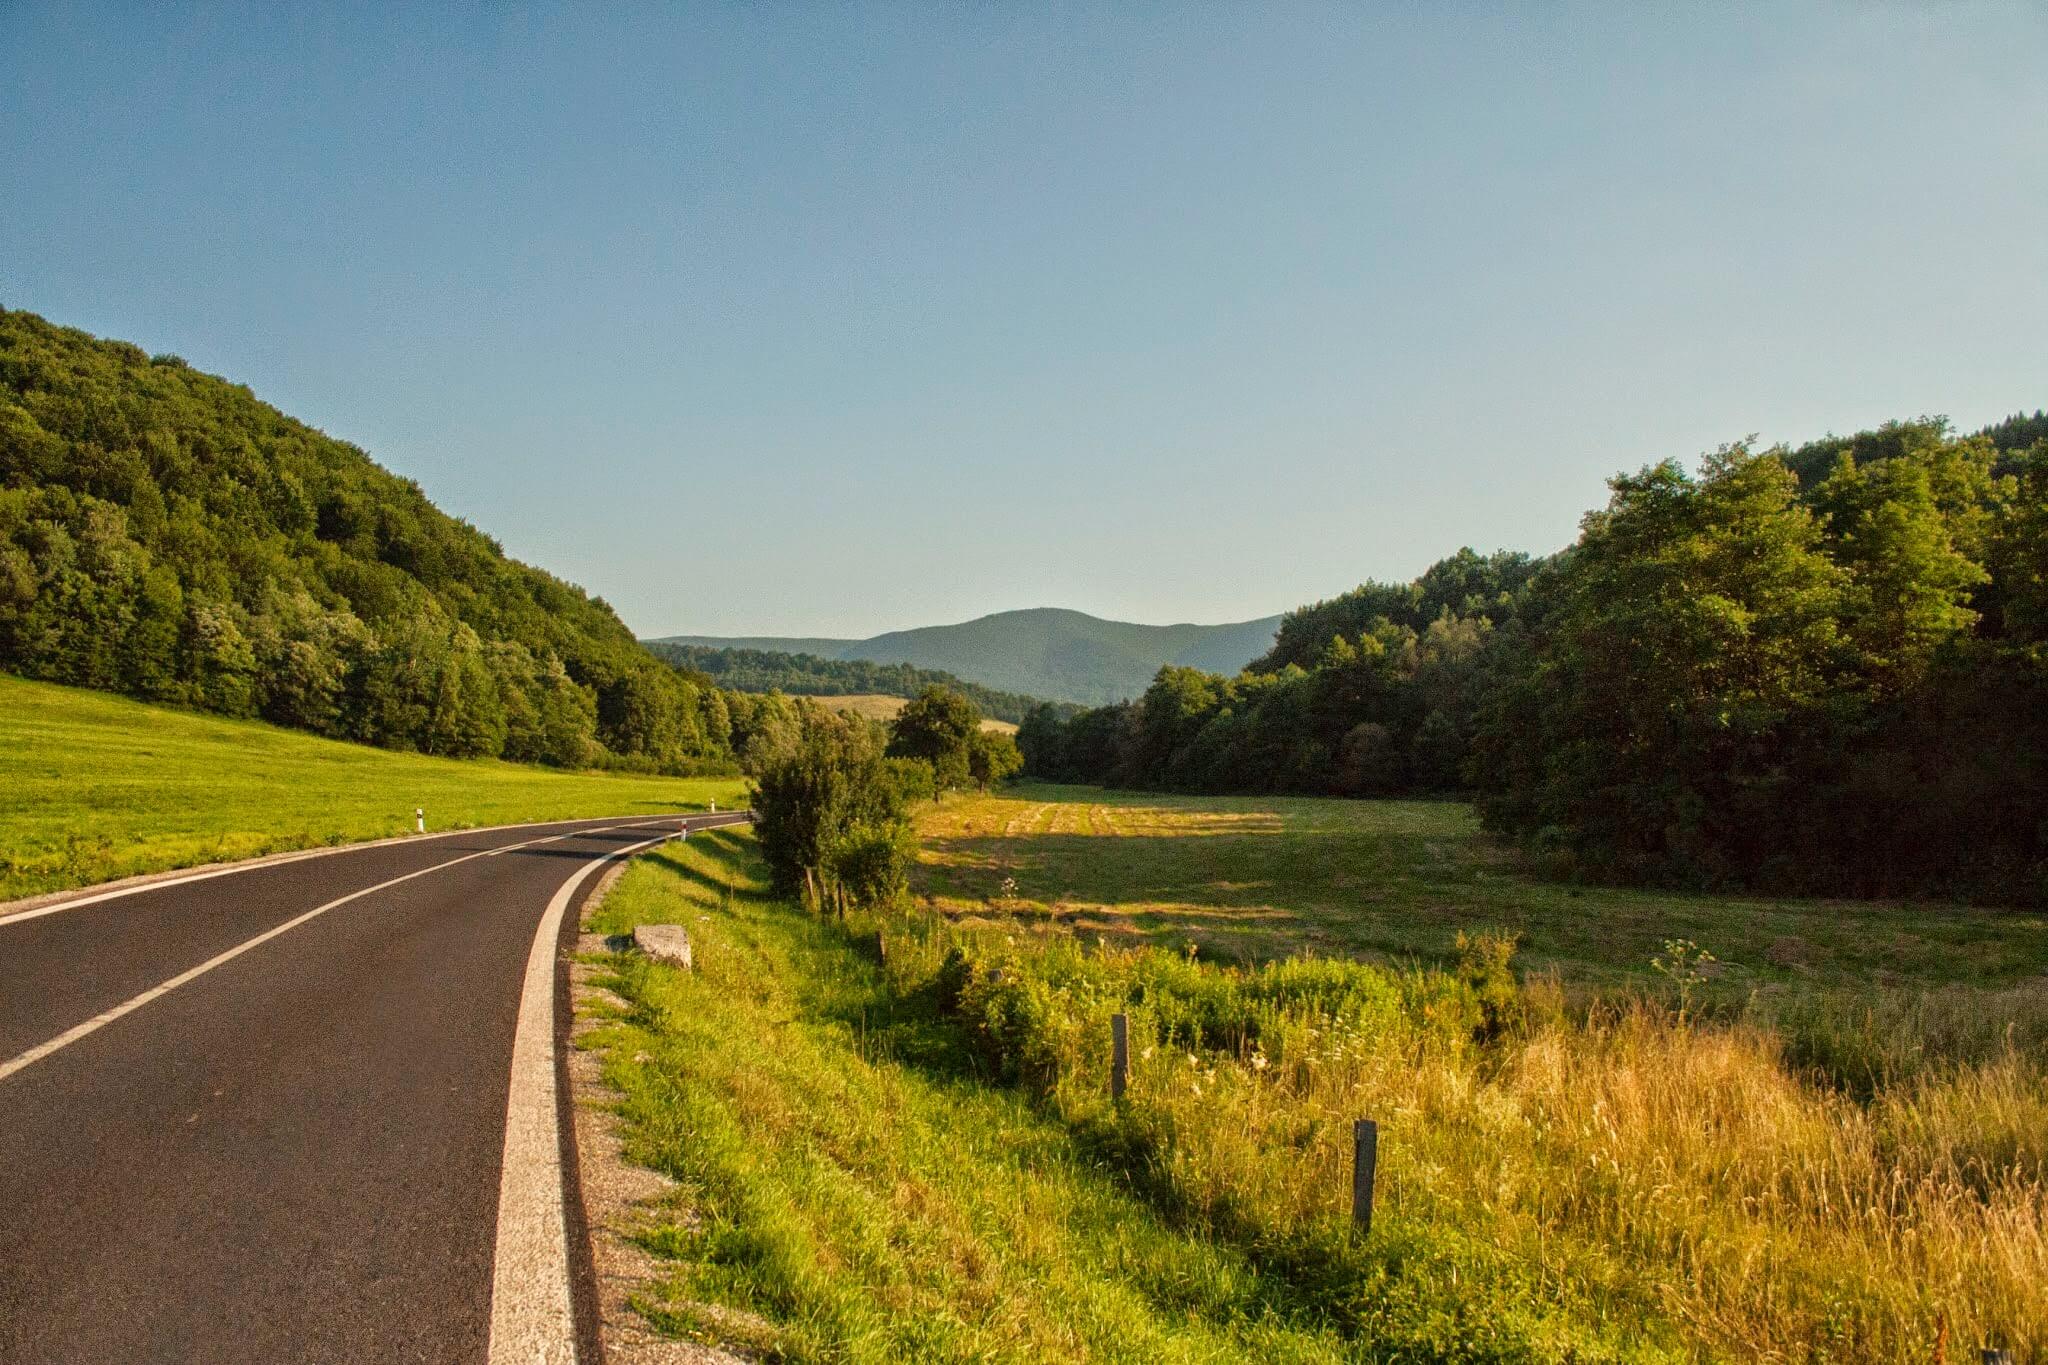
(914, 1156)
(884, 708)
(1256, 878)
(94, 787)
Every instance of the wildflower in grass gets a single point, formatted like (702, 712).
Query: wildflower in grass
(1685, 964)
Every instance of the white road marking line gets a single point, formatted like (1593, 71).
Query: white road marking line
(279, 860)
(134, 1003)
(533, 1317)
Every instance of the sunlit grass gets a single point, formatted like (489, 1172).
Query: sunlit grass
(1255, 878)
(848, 1182)
(920, 1160)
(94, 787)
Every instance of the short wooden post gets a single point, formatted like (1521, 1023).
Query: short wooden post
(1119, 1055)
(1365, 1156)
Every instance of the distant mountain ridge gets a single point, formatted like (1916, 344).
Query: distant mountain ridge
(1048, 652)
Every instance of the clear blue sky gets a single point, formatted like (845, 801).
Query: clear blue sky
(791, 319)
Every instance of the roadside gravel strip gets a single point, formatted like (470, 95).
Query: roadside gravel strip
(618, 1198)
(303, 1108)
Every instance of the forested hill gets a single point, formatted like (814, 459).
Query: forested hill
(1068, 656)
(806, 674)
(1816, 669)
(166, 534)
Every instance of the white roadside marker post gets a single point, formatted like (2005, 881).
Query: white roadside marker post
(714, 808)
(419, 819)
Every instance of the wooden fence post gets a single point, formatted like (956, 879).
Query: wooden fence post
(1119, 1055)
(1365, 1156)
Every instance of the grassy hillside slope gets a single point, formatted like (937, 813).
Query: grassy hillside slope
(94, 787)
(166, 534)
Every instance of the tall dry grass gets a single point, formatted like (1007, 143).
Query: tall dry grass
(1625, 1180)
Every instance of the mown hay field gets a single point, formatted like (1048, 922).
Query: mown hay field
(1255, 878)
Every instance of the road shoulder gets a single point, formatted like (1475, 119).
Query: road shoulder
(620, 1199)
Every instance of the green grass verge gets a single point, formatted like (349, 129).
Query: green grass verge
(94, 787)
(856, 1185)
(1258, 878)
(917, 1160)
(845, 1179)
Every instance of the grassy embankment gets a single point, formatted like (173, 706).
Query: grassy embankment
(919, 1160)
(94, 787)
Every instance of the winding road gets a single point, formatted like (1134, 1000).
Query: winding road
(307, 1109)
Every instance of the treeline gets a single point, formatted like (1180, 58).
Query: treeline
(1820, 670)
(165, 534)
(833, 791)
(762, 670)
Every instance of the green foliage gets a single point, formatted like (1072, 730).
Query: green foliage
(832, 807)
(759, 670)
(1735, 682)
(166, 535)
(1813, 671)
(1466, 585)
(991, 757)
(872, 861)
(1389, 711)
(942, 728)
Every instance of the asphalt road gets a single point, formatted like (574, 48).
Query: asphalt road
(296, 1152)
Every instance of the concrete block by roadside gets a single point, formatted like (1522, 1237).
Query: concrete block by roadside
(664, 943)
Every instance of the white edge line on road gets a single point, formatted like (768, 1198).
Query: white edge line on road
(533, 1314)
(155, 883)
(134, 1003)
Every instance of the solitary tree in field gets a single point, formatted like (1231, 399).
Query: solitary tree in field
(991, 757)
(940, 727)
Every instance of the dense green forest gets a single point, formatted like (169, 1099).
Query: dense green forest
(165, 534)
(1821, 669)
(761, 670)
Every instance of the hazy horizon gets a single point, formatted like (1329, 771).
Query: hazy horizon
(831, 323)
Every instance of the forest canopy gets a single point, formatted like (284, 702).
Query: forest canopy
(763, 670)
(1821, 670)
(165, 534)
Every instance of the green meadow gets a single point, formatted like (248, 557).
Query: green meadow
(1253, 878)
(94, 787)
(913, 1155)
